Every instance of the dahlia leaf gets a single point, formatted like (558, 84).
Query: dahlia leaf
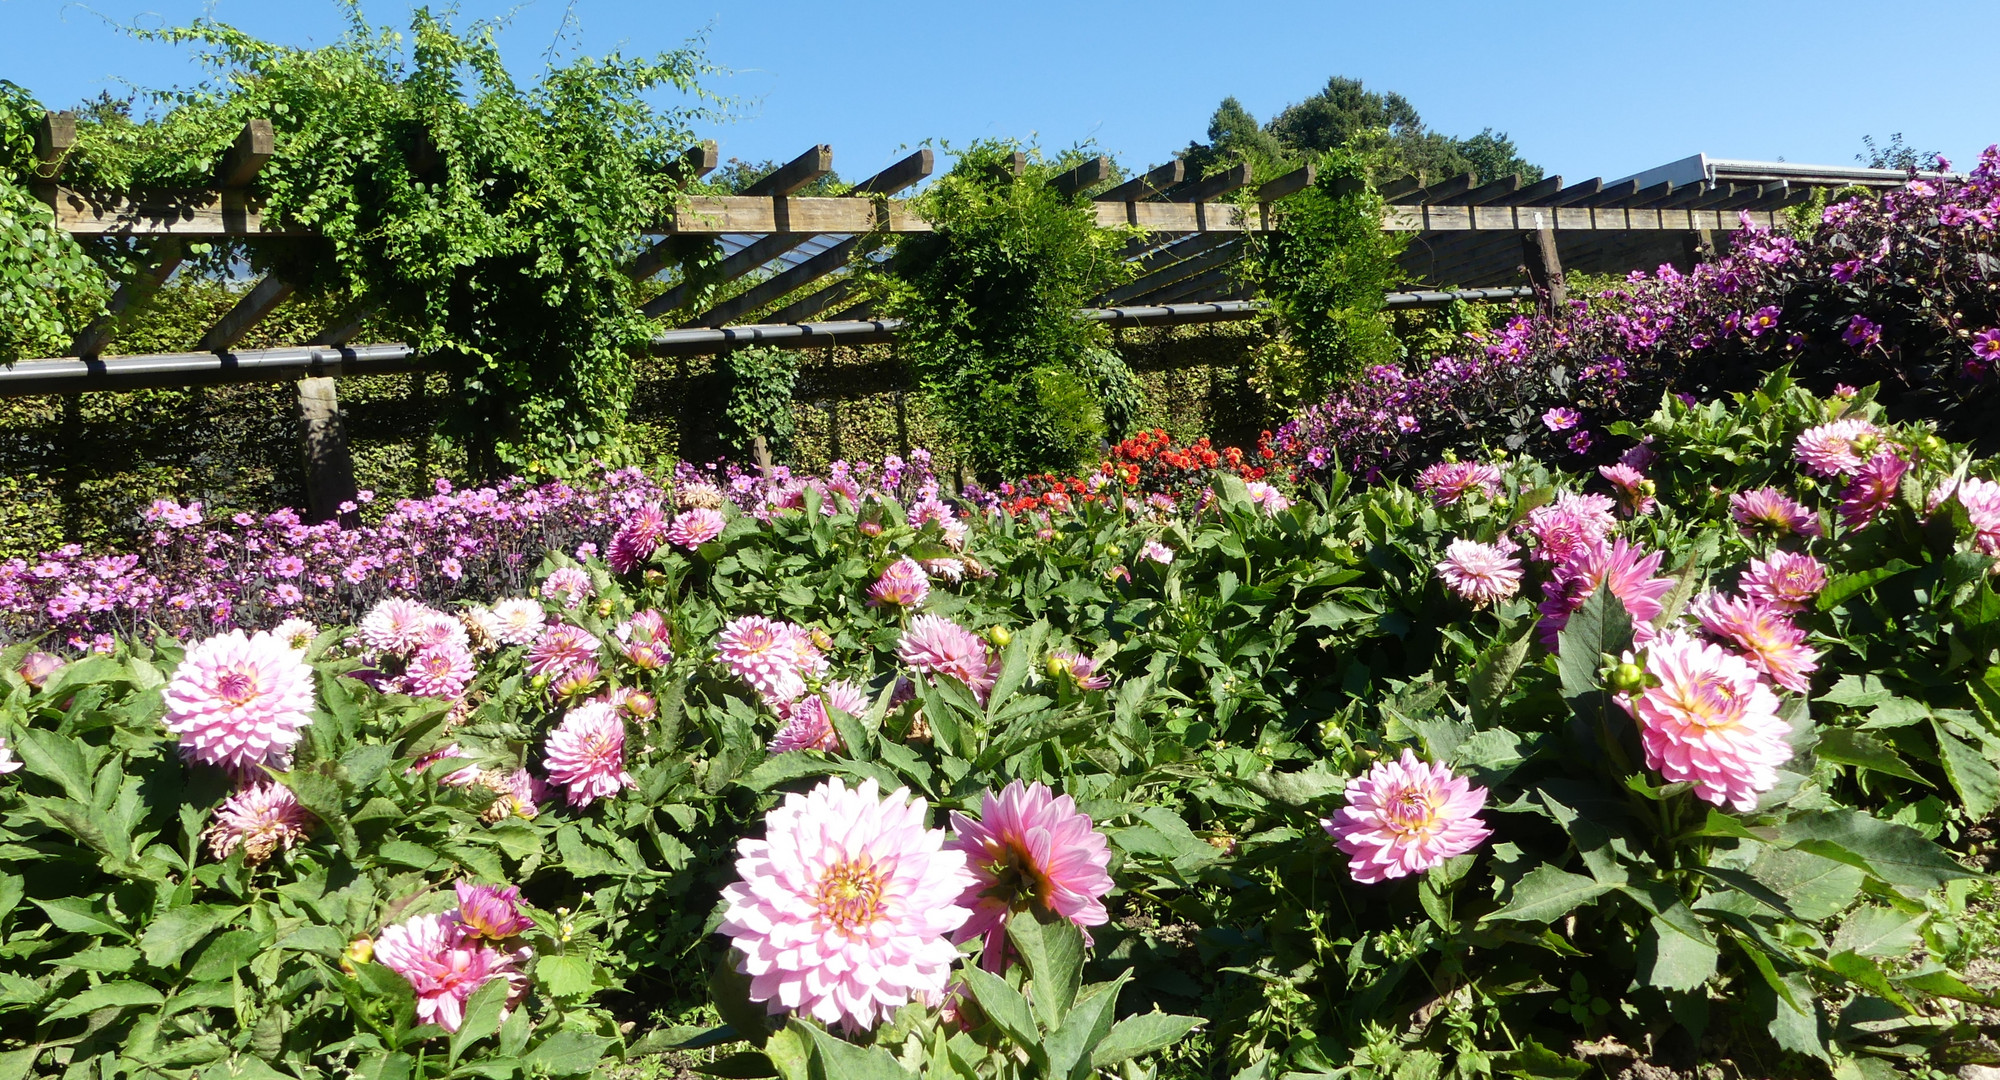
(1053, 950)
(123, 994)
(837, 1059)
(1879, 931)
(1974, 777)
(1547, 894)
(1814, 887)
(1896, 854)
(174, 934)
(1845, 587)
(1069, 1046)
(568, 1052)
(1143, 1034)
(742, 1065)
(1675, 953)
(1850, 746)
(1600, 627)
(482, 1016)
(1493, 675)
(1007, 1008)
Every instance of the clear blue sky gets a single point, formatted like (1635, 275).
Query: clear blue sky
(1585, 89)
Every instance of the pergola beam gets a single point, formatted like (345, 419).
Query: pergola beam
(794, 174)
(261, 300)
(1146, 185)
(254, 148)
(164, 257)
(1089, 174)
(1297, 180)
(1225, 252)
(53, 138)
(1231, 179)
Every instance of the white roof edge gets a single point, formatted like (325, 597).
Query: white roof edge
(1700, 167)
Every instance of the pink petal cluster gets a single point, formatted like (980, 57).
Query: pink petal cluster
(517, 621)
(395, 625)
(1764, 635)
(934, 645)
(586, 754)
(1405, 816)
(1635, 495)
(1078, 668)
(637, 539)
(1710, 721)
(1269, 498)
(569, 584)
(492, 911)
(1787, 581)
(807, 726)
(693, 528)
(1620, 566)
(439, 671)
(296, 633)
(1565, 529)
(1029, 849)
(844, 911)
(240, 702)
(444, 963)
(561, 649)
(1873, 489)
(772, 656)
(903, 584)
(1154, 551)
(1449, 481)
(1481, 573)
(933, 510)
(1829, 449)
(37, 667)
(1771, 510)
(1981, 499)
(643, 640)
(260, 820)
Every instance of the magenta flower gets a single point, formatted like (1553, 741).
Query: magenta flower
(491, 911)
(1831, 449)
(1769, 509)
(1029, 850)
(1567, 528)
(1623, 568)
(560, 649)
(1078, 668)
(1635, 492)
(637, 539)
(1762, 321)
(807, 725)
(935, 645)
(1986, 345)
(1861, 333)
(903, 584)
(771, 656)
(1481, 573)
(1449, 481)
(1710, 722)
(1404, 817)
(1561, 418)
(240, 702)
(1873, 489)
(1786, 581)
(1762, 634)
(1580, 442)
(1981, 499)
(693, 528)
(643, 640)
(439, 671)
(444, 966)
(844, 911)
(586, 754)
(260, 820)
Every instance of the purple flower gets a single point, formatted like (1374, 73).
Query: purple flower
(1861, 333)
(1579, 443)
(1561, 418)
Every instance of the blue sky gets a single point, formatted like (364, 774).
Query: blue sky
(1585, 89)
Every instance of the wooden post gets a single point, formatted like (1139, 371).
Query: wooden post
(53, 138)
(833, 428)
(1545, 271)
(329, 466)
(760, 452)
(1698, 246)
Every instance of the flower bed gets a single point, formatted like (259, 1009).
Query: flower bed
(1682, 758)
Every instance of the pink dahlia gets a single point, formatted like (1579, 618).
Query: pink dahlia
(395, 625)
(1635, 492)
(38, 666)
(643, 640)
(491, 911)
(1269, 498)
(1711, 721)
(518, 794)
(933, 510)
(295, 633)
(439, 629)
(1770, 510)
(1763, 635)
(568, 584)
(807, 725)
(1786, 581)
(1621, 567)
(240, 702)
(1873, 489)
(439, 671)
(1449, 481)
(260, 820)
(575, 681)
(693, 528)
(444, 965)
(1981, 499)
(766, 654)
(933, 644)
(586, 754)
(517, 621)
(1077, 668)
(560, 649)
(1404, 817)
(903, 584)
(844, 911)
(1830, 449)
(1029, 849)
(1154, 551)
(637, 539)
(1481, 573)
(1568, 528)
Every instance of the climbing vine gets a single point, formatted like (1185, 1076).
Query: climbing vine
(49, 288)
(761, 381)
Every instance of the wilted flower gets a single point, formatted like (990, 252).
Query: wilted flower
(240, 702)
(1763, 635)
(1449, 481)
(1873, 488)
(1710, 721)
(1786, 581)
(843, 911)
(933, 644)
(1481, 573)
(1404, 817)
(1829, 449)
(1635, 492)
(1769, 509)
(903, 584)
(262, 820)
(37, 666)
(586, 754)
(1029, 850)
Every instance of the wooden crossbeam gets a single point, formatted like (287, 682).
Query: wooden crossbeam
(1189, 288)
(1399, 190)
(779, 285)
(53, 138)
(1716, 196)
(794, 174)
(903, 174)
(1440, 193)
(1611, 194)
(253, 150)
(343, 327)
(697, 161)
(1088, 174)
(1147, 185)
(1685, 196)
(806, 307)
(1536, 194)
(260, 301)
(1650, 197)
(1297, 180)
(164, 257)
(1185, 248)
(748, 258)
(1577, 193)
(1217, 255)
(1497, 191)
(1222, 183)
(162, 213)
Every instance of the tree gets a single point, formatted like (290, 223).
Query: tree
(1492, 155)
(1336, 114)
(1233, 135)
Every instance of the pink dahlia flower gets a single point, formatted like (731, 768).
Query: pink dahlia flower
(693, 528)
(1873, 489)
(240, 702)
(1981, 499)
(395, 625)
(1786, 581)
(439, 629)
(1763, 635)
(465, 777)
(517, 621)
(260, 820)
(1829, 449)
(1078, 668)
(1267, 497)
(444, 965)
(295, 633)
(1029, 849)
(560, 649)
(1154, 551)
(1449, 481)
(38, 666)
(1635, 492)
(1405, 816)
(1567, 529)
(586, 754)
(1711, 722)
(491, 911)
(1481, 573)
(767, 654)
(935, 645)
(807, 725)
(643, 640)
(575, 681)
(844, 911)
(903, 584)
(932, 509)
(439, 671)
(568, 584)
(1770, 510)
(637, 539)
(1621, 567)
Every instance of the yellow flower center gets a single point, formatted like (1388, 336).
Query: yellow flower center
(1413, 812)
(850, 894)
(237, 686)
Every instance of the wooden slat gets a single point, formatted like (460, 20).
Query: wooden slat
(162, 213)
(751, 256)
(698, 161)
(899, 176)
(1188, 290)
(1148, 185)
(795, 174)
(53, 138)
(1686, 196)
(1185, 248)
(1086, 175)
(253, 150)
(812, 304)
(1577, 193)
(1222, 183)
(165, 257)
(1496, 191)
(1437, 193)
(1163, 217)
(1399, 190)
(260, 301)
(1297, 180)
(719, 214)
(778, 285)
(343, 326)
(1611, 195)
(1218, 255)
(1538, 193)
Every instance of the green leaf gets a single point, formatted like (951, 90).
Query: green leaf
(80, 916)
(837, 1059)
(1814, 886)
(1879, 931)
(742, 1065)
(1850, 746)
(1138, 1035)
(567, 1052)
(1840, 589)
(226, 953)
(1676, 954)
(121, 994)
(1895, 854)
(58, 758)
(1601, 626)
(1547, 894)
(1866, 974)
(1975, 778)
(321, 794)
(482, 1016)
(1493, 675)
(1053, 951)
(109, 959)
(1006, 1007)
(566, 976)
(179, 930)
(1302, 788)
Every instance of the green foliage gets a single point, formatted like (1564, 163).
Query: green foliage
(760, 382)
(1324, 274)
(988, 302)
(49, 288)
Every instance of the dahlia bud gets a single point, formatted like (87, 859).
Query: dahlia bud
(821, 639)
(640, 705)
(1627, 678)
(604, 608)
(1114, 552)
(1055, 667)
(36, 667)
(1648, 488)
(871, 528)
(1864, 445)
(359, 951)
(1000, 636)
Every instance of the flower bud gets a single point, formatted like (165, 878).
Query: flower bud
(821, 639)
(640, 705)
(1000, 635)
(1055, 667)
(1627, 678)
(359, 951)
(871, 528)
